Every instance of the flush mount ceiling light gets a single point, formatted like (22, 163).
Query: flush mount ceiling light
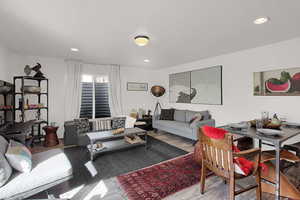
(146, 60)
(261, 20)
(74, 49)
(141, 40)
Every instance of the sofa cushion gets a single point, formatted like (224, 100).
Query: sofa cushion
(3, 145)
(5, 170)
(179, 115)
(18, 156)
(167, 114)
(180, 126)
(47, 167)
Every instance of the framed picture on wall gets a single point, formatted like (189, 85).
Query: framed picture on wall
(203, 86)
(279, 82)
(180, 85)
(206, 86)
(133, 86)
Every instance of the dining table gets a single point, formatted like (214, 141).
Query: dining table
(275, 141)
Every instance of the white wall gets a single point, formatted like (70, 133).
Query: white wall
(55, 70)
(239, 102)
(4, 63)
(138, 99)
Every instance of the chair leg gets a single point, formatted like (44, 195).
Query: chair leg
(203, 177)
(258, 181)
(231, 188)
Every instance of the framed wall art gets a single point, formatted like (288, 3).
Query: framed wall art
(133, 86)
(203, 86)
(282, 82)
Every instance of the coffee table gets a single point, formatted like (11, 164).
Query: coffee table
(114, 142)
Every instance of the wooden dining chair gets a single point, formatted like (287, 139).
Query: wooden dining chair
(218, 157)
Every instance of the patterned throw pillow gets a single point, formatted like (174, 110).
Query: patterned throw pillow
(5, 170)
(118, 122)
(18, 156)
(83, 125)
(193, 122)
(167, 114)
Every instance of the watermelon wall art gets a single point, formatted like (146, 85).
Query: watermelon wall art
(285, 82)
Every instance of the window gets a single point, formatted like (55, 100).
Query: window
(94, 97)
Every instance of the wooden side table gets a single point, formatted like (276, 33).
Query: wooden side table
(51, 138)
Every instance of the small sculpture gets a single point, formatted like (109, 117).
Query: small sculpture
(36, 68)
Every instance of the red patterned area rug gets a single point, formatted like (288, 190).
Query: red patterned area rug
(161, 180)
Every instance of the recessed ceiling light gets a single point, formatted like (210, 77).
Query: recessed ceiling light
(146, 60)
(74, 49)
(141, 40)
(261, 20)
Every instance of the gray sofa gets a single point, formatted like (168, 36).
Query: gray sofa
(49, 168)
(76, 130)
(181, 124)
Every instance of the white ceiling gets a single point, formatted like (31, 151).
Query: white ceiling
(180, 30)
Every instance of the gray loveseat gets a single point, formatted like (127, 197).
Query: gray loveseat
(181, 124)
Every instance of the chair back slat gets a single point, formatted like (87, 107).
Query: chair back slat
(217, 154)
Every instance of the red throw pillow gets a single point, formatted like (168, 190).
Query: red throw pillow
(212, 132)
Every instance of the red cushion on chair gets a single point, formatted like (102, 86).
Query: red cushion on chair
(244, 166)
(212, 132)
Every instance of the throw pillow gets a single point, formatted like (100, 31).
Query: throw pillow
(83, 125)
(195, 119)
(167, 114)
(5, 170)
(18, 156)
(118, 122)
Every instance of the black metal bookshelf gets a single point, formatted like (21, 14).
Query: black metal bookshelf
(21, 97)
(5, 96)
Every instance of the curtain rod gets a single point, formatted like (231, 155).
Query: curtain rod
(88, 63)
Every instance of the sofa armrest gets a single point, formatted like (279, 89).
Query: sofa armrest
(71, 134)
(209, 122)
(155, 117)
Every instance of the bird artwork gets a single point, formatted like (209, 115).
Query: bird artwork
(186, 98)
(36, 68)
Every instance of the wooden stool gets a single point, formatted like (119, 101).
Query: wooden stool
(51, 138)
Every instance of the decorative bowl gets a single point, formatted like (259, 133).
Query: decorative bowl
(273, 126)
(5, 89)
(31, 89)
(253, 123)
(269, 132)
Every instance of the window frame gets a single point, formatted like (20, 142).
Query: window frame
(94, 79)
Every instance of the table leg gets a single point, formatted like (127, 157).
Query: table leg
(277, 172)
(92, 151)
(146, 140)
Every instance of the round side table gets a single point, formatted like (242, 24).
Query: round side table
(51, 138)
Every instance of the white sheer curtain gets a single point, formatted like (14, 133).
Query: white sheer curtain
(115, 100)
(73, 90)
